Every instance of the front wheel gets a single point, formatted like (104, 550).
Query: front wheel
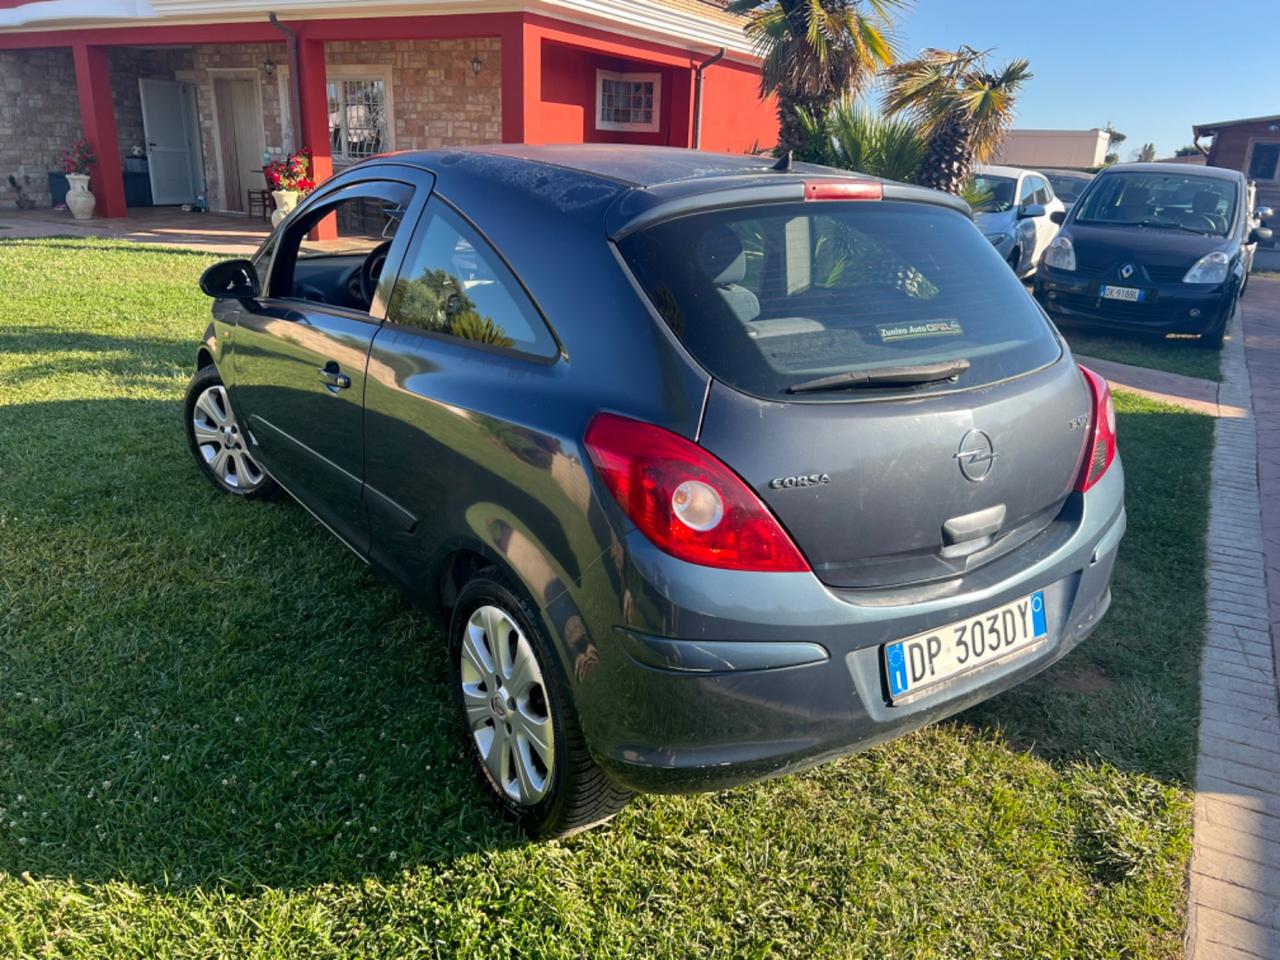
(1212, 339)
(520, 729)
(218, 442)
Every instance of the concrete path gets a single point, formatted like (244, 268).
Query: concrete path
(1191, 393)
(1234, 908)
(1262, 347)
(165, 226)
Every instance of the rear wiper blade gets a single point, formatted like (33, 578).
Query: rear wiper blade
(905, 376)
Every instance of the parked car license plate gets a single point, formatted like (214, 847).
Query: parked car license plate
(929, 658)
(1131, 294)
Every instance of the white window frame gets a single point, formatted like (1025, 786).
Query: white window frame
(654, 125)
(372, 71)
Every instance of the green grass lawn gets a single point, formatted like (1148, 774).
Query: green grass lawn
(220, 736)
(1174, 354)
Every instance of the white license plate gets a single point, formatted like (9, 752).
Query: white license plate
(1131, 294)
(929, 658)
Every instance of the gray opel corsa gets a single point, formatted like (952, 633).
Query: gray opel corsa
(715, 468)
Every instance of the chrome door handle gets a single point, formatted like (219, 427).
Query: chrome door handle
(333, 378)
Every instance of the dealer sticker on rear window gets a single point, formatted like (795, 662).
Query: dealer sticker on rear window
(911, 331)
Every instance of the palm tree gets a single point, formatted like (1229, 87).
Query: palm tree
(852, 137)
(815, 51)
(963, 108)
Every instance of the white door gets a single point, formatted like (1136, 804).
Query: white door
(164, 122)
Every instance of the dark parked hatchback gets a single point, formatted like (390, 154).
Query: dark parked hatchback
(1153, 247)
(715, 469)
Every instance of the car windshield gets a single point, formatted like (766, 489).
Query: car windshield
(1067, 188)
(769, 298)
(995, 194)
(1175, 201)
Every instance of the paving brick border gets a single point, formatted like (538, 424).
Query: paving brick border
(1234, 896)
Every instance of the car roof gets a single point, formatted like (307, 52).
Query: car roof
(997, 170)
(636, 184)
(624, 164)
(1214, 173)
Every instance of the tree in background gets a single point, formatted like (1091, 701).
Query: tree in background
(1146, 153)
(851, 137)
(963, 109)
(816, 51)
(1187, 151)
(1114, 138)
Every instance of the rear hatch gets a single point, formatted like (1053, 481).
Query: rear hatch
(883, 381)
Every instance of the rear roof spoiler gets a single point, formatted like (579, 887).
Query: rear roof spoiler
(642, 208)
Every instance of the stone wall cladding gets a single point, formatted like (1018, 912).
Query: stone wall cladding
(438, 100)
(246, 58)
(39, 118)
(128, 65)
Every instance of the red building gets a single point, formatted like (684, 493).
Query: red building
(186, 98)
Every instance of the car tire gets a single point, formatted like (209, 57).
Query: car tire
(1212, 339)
(217, 441)
(1014, 258)
(517, 720)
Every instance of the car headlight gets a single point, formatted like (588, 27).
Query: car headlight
(997, 238)
(1060, 254)
(1211, 268)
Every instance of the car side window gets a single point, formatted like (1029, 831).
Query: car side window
(262, 261)
(1027, 191)
(340, 270)
(453, 283)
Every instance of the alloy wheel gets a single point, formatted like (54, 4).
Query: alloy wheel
(221, 444)
(507, 705)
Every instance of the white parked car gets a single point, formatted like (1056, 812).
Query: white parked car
(1016, 217)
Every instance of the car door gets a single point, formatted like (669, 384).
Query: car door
(1027, 227)
(300, 353)
(1046, 229)
(463, 353)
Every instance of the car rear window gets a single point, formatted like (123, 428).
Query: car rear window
(769, 297)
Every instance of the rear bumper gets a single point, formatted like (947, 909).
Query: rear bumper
(776, 672)
(1168, 308)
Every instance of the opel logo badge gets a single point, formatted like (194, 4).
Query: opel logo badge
(1126, 271)
(976, 455)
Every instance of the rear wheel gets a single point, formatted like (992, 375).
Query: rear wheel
(519, 726)
(218, 442)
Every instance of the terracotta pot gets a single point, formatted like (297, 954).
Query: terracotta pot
(285, 200)
(79, 200)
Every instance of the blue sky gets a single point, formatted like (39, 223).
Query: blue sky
(1151, 68)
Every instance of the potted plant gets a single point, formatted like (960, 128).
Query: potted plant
(78, 161)
(290, 181)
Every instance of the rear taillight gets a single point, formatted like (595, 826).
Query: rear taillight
(686, 501)
(1100, 444)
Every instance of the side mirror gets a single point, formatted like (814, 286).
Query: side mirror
(1058, 216)
(1263, 213)
(1030, 210)
(1260, 235)
(231, 280)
